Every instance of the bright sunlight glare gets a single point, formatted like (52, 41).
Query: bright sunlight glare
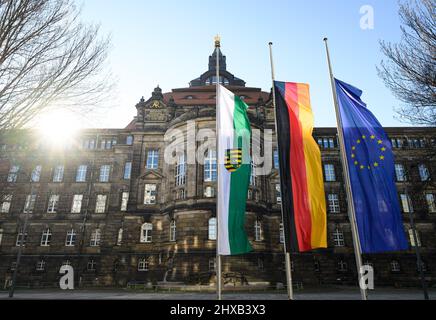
(58, 127)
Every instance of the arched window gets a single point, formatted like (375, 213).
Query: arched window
(146, 230)
(143, 264)
(173, 230)
(212, 228)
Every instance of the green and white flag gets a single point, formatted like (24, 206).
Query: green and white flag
(234, 170)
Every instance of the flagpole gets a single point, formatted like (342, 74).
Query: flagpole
(351, 211)
(287, 254)
(218, 256)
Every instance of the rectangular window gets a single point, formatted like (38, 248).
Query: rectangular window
(180, 173)
(70, 240)
(333, 201)
(257, 231)
(423, 172)
(104, 173)
(152, 159)
(338, 238)
(276, 159)
(13, 173)
(36, 173)
(40, 265)
(210, 166)
(124, 201)
(77, 203)
(412, 238)
(58, 173)
(150, 194)
(6, 203)
(100, 205)
(30, 203)
(127, 170)
(21, 238)
(329, 171)
(46, 238)
(95, 238)
(253, 177)
(278, 193)
(282, 233)
(406, 203)
(400, 173)
(431, 203)
(53, 202)
(81, 173)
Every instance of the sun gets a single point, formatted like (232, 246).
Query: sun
(58, 127)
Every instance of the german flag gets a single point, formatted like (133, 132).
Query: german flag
(302, 186)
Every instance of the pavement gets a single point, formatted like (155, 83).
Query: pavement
(305, 294)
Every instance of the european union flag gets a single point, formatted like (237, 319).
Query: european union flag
(371, 165)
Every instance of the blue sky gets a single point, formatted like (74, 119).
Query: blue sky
(167, 42)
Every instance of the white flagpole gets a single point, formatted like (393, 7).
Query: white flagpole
(287, 254)
(218, 256)
(351, 212)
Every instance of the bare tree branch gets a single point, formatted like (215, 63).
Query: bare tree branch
(409, 70)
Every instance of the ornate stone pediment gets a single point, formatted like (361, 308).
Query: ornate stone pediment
(152, 175)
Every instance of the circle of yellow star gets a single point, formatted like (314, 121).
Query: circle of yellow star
(375, 164)
(362, 167)
(382, 157)
(383, 149)
(353, 148)
(358, 141)
(353, 156)
(379, 142)
(356, 162)
(364, 137)
(373, 137)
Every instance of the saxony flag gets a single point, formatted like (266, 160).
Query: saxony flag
(234, 170)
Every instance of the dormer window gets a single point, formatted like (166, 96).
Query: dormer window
(212, 81)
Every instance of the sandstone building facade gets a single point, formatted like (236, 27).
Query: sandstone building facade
(110, 205)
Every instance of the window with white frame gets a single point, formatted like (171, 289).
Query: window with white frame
(40, 265)
(146, 230)
(329, 172)
(212, 264)
(152, 159)
(46, 238)
(95, 238)
(124, 200)
(91, 265)
(338, 238)
(173, 230)
(21, 238)
(406, 203)
(395, 266)
(1, 236)
(104, 173)
(143, 264)
(278, 193)
(36, 174)
(181, 194)
(253, 177)
(88, 143)
(210, 166)
(81, 173)
(6, 203)
(58, 173)
(431, 203)
(342, 266)
(70, 240)
(400, 172)
(397, 142)
(212, 229)
(29, 205)
(108, 142)
(412, 238)
(209, 192)
(13, 173)
(180, 173)
(53, 202)
(257, 230)
(424, 174)
(150, 193)
(333, 201)
(127, 170)
(100, 204)
(120, 237)
(281, 233)
(77, 203)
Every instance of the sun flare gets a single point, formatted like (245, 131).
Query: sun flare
(58, 127)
